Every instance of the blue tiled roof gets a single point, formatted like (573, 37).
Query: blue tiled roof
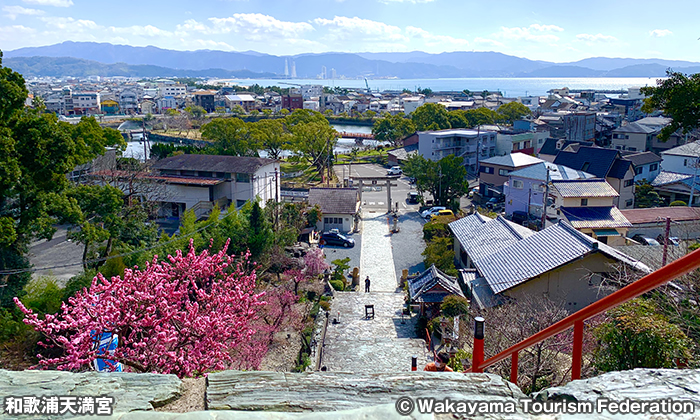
(599, 160)
(595, 217)
(537, 254)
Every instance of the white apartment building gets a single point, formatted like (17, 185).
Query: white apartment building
(173, 90)
(471, 145)
(311, 91)
(86, 103)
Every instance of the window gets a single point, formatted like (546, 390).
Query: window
(242, 178)
(639, 170)
(206, 174)
(632, 149)
(585, 166)
(503, 172)
(653, 167)
(584, 202)
(685, 162)
(240, 203)
(629, 203)
(518, 184)
(487, 169)
(629, 183)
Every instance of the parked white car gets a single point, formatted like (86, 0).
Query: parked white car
(394, 170)
(427, 214)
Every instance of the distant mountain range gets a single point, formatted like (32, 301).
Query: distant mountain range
(103, 59)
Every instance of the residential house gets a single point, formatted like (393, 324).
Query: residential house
(633, 137)
(399, 156)
(525, 188)
(503, 261)
(292, 101)
(520, 142)
(165, 103)
(587, 205)
(674, 186)
(683, 159)
(658, 146)
(206, 99)
(604, 163)
(86, 103)
(109, 106)
(339, 207)
(148, 106)
(647, 165)
(411, 103)
(685, 221)
(200, 181)
(471, 145)
(429, 289)
(551, 148)
(129, 102)
(247, 102)
(494, 171)
(579, 126)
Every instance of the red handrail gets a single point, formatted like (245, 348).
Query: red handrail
(682, 266)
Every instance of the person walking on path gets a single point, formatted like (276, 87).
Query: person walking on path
(367, 285)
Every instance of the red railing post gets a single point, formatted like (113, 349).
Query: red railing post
(478, 352)
(577, 353)
(514, 368)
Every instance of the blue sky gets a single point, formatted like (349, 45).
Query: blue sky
(558, 31)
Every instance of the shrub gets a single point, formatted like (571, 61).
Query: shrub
(337, 285)
(435, 229)
(325, 305)
(454, 306)
(77, 283)
(678, 203)
(636, 335)
(43, 296)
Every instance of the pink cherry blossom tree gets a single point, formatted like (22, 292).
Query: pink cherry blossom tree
(185, 315)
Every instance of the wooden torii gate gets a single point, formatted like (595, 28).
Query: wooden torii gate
(375, 180)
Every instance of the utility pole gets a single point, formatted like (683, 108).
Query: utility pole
(666, 234)
(277, 199)
(692, 182)
(544, 199)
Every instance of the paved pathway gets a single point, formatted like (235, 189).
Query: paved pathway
(387, 342)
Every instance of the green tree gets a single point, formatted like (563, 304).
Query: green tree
(314, 142)
(431, 115)
(645, 196)
(636, 335)
(678, 97)
(512, 111)
(440, 253)
(445, 180)
(195, 112)
(480, 116)
(231, 136)
(272, 136)
(454, 305)
(458, 119)
(261, 236)
(393, 129)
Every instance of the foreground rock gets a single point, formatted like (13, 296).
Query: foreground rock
(131, 391)
(331, 391)
(641, 385)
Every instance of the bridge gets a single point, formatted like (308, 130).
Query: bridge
(363, 136)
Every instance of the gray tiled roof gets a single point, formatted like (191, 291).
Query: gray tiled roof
(537, 254)
(213, 163)
(479, 240)
(584, 188)
(419, 287)
(334, 200)
(643, 158)
(595, 217)
(666, 177)
(691, 149)
(635, 128)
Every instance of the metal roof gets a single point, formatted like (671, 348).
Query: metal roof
(539, 172)
(595, 217)
(666, 177)
(544, 251)
(584, 188)
(689, 149)
(656, 214)
(635, 128)
(643, 158)
(479, 240)
(599, 160)
(513, 160)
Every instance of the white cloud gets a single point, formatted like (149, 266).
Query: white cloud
(70, 24)
(13, 11)
(253, 26)
(55, 3)
(660, 33)
(487, 41)
(595, 38)
(433, 40)
(137, 30)
(356, 29)
(534, 33)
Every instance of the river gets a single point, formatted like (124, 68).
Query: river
(510, 87)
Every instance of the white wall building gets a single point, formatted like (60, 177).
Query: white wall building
(464, 143)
